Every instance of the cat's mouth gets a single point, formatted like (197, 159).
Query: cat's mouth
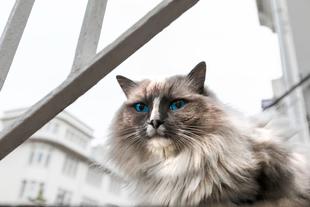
(159, 144)
(158, 137)
(154, 133)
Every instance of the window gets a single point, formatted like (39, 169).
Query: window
(94, 177)
(48, 157)
(40, 197)
(35, 191)
(60, 197)
(31, 189)
(31, 155)
(41, 187)
(63, 197)
(40, 155)
(22, 189)
(70, 166)
(56, 126)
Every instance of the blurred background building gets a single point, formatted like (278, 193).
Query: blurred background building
(290, 20)
(55, 166)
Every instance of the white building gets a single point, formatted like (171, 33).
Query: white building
(54, 167)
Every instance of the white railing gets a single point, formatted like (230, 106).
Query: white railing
(12, 34)
(88, 67)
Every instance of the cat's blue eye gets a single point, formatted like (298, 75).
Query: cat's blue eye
(177, 104)
(141, 108)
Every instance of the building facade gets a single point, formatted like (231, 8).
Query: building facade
(55, 166)
(290, 20)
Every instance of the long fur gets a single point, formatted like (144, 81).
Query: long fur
(209, 153)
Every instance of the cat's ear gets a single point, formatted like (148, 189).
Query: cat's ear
(197, 77)
(126, 84)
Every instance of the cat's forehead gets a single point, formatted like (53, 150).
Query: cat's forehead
(157, 84)
(150, 89)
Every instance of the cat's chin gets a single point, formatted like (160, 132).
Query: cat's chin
(160, 141)
(161, 146)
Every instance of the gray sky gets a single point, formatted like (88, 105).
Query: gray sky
(242, 57)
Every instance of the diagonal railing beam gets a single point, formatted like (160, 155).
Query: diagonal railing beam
(12, 34)
(90, 33)
(103, 63)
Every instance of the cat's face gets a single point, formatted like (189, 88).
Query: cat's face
(162, 118)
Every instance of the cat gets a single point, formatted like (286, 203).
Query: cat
(176, 144)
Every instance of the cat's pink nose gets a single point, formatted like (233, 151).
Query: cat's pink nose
(156, 123)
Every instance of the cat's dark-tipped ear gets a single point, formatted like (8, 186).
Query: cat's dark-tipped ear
(197, 76)
(126, 84)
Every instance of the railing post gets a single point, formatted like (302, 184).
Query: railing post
(12, 34)
(90, 33)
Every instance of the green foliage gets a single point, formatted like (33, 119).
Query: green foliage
(39, 199)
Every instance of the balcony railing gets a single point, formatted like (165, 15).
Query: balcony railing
(88, 67)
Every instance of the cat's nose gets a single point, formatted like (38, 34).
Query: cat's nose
(156, 123)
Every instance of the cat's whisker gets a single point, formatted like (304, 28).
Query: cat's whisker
(192, 130)
(201, 130)
(125, 139)
(190, 142)
(193, 135)
(178, 143)
(140, 143)
(130, 144)
(182, 131)
(195, 142)
(129, 138)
